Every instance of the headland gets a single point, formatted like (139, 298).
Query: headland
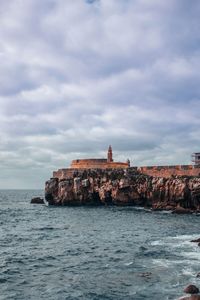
(105, 182)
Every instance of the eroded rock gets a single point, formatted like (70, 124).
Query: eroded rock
(191, 289)
(125, 187)
(196, 240)
(37, 200)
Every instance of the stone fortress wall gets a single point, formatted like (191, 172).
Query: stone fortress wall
(155, 171)
(168, 171)
(92, 163)
(97, 164)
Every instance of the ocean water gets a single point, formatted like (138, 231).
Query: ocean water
(93, 252)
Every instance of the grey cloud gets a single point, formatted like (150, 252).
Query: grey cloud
(78, 75)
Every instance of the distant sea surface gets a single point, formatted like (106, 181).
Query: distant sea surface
(93, 253)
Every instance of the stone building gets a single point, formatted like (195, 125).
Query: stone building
(91, 163)
(108, 163)
(99, 163)
(196, 158)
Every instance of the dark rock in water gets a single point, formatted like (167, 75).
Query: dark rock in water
(198, 275)
(195, 241)
(169, 207)
(181, 210)
(191, 289)
(37, 200)
(142, 248)
(50, 199)
(145, 274)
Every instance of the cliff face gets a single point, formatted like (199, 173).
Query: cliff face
(125, 187)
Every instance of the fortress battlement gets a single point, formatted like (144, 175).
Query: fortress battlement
(91, 163)
(172, 170)
(109, 163)
(99, 163)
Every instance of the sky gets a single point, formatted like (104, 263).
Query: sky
(78, 75)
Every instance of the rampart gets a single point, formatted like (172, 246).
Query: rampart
(64, 173)
(168, 171)
(155, 171)
(97, 164)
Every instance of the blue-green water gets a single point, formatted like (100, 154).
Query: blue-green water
(93, 253)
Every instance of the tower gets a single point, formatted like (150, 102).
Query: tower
(196, 158)
(109, 157)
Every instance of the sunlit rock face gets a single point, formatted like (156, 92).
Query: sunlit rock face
(125, 187)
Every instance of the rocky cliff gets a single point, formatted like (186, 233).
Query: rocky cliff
(125, 187)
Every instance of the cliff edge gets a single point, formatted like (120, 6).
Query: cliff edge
(125, 187)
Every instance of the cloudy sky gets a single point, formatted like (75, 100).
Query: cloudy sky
(77, 75)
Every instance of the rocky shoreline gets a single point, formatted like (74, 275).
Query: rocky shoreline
(179, 194)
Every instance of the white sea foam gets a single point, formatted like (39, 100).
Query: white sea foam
(165, 212)
(191, 255)
(162, 262)
(188, 272)
(128, 263)
(177, 241)
(186, 236)
(158, 243)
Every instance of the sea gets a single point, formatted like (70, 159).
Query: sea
(94, 253)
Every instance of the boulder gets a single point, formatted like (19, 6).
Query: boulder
(37, 200)
(181, 210)
(169, 207)
(191, 289)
